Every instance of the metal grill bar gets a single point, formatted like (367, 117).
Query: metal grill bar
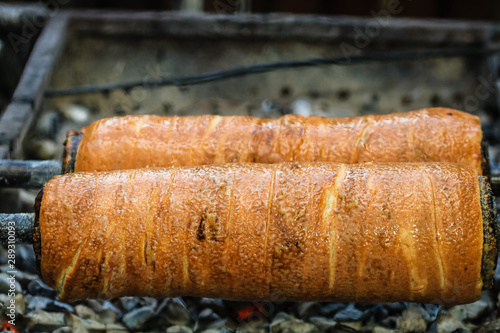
(16, 228)
(27, 174)
(273, 66)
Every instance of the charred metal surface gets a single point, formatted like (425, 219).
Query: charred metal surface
(41, 62)
(490, 233)
(36, 235)
(485, 158)
(17, 42)
(71, 145)
(277, 27)
(25, 105)
(27, 174)
(495, 184)
(14, 124)
(16, 228)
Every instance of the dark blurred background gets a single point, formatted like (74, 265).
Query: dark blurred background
(443, 9)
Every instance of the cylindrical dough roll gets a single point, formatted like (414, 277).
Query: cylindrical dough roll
(313, 231)
(129, 142)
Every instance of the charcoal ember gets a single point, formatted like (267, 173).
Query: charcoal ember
(381, 329)
(42, 321)
(20, 304)
(106, 311)
(3, 255)
(257, 326)
(243, 312)
(331, 309)
(352, 326)
(96, 306)
(135, 319)
(412, 320)
(8, 282)
(19, 323)
(395, 308)
(253, 316)
(4, 299)
(350, 314)
(216, 325)
(107, 316)
(25, 258)
(283, 322)
(322, 323)
(175, 312)
(38, 288)
(211, 330)
(294, 326)
(208, 319)
(23, 278)
(270, 309)
(103, 311)
(306, 310)
(448, 324)
(208, 315)
(213, 303)
(58, 306)
(280, 317)
(94, 326)
(85, 312)
(430, 312)
(148, 301)
(89, 325)
(107, 305)
(115, 328)
(130, 303)
(37, 302)
(390, 322)
(222, 330)
(467, 329)
(490, 327)
(330, 326)
(179, 329)
(364, 306)
(473, 311)
(74, 322)
(379, 312)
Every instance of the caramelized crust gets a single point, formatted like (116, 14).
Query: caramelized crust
(435, 135)
(295, 231)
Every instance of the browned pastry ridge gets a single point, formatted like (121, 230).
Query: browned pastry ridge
(295, 231)
(428, 135)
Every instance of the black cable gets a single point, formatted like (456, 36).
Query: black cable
(268, 67)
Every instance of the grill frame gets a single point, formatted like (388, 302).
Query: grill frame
(28, 98)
